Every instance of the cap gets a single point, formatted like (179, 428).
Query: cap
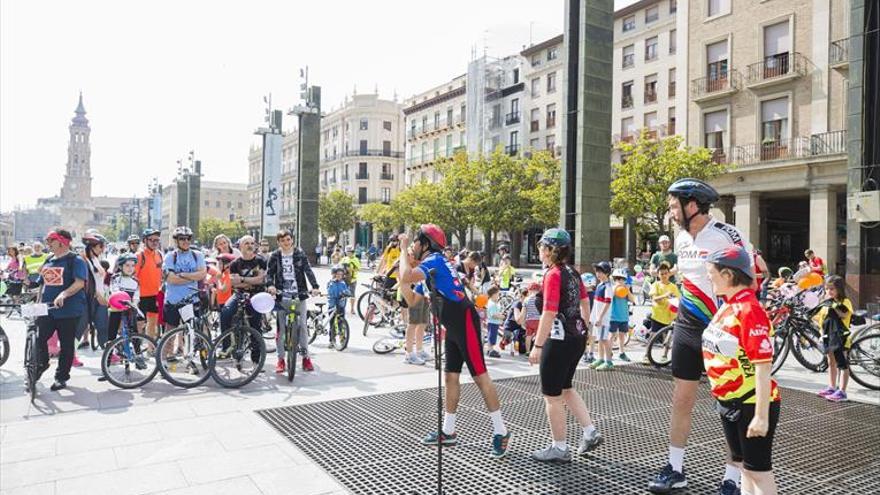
(663, 238)
(733, 257)
(618, 273)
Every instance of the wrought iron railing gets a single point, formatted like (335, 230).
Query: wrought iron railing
(775, 66)
(726, 81)
(838, 52)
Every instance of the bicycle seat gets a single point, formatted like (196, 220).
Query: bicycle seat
(320, 305)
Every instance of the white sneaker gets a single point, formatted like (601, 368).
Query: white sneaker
(424, 356)
(413, 359)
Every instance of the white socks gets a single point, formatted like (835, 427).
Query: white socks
(588, 430)
(732, 473)
(560, 445)
(449, 423)
(676, 458)
(498, 423)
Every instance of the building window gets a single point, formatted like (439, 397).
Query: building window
(362, 195)
(535, 118)
(626, 98)
(362, 171)
(462, 139)
(651, 89)
(551, 116)
(651, 49)
(718, 7)
(207, 203)
(551, 144)
(714, 129)
(412, 127)
(673, 44)
(335, 131)
(436, 120)
(716, 70)
(386, 124)
(671, 83)
(239, 206)
(670, 122)
(552, 54)
(627, 129)
(386, 148)
(629, 56)
(629, 23)
(363, 147)
(651, 124)
(449, 145)
(425, 151)
(386, 169)
(534, 143)
(776, 50)
(652, 14)
(673, 6)
(536, 60)
(774, 121)
(536, 87)
(436, 148)
(463, 112)
(551, 82)
(229, 204)
(364, 124)
(515, 76)
(386, 195)
(449, 116)
(217, 204)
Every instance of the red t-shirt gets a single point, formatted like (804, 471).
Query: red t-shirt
(817, 265)
(553, 286)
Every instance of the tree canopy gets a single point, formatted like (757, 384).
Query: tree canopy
(336, 212)
(212, 227)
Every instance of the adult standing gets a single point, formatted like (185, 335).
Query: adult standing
(738, 354)
(318, 250)
(817, 264)
(288, 270)
(247, 273)
(34, 262)
(352, 264)
(559, 345)
(148, 271)
(762, 273)
(388, 264)
(63, 275)
(665, 254)
(134, 243)
(689, 201)
(183, 267)
(223, 245)
(17, 273)
(95, 290)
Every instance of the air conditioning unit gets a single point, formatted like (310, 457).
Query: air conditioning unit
(864, 206)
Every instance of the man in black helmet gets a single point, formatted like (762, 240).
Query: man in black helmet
(689, 201)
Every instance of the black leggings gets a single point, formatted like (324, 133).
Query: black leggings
(559, 362)
(66, 328)
(754, 453)
(115, 324)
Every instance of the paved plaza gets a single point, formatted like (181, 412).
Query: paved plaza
(93, 438)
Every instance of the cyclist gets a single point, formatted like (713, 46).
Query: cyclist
(288, 270)
(16, 273)
(352, 264)
(337, 291)
(134, 243)
(63, 276)
(689, 201)
(463, 341)
(248, 275)
(33, 262)
(388, 265)
(96, 291)
(148, 271)
(183, 268)
(222, 245)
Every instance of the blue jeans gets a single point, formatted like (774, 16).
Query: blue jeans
(96, 314)
(254, 319)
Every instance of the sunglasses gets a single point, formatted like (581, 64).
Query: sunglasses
(184, 238)
(152, 239)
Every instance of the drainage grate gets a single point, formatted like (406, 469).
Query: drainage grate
(371, 444)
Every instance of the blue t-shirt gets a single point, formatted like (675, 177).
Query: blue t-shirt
(619, 308)
(448, 284)
(181, 262)
(337, 291)
(58, 274)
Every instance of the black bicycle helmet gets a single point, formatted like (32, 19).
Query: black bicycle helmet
(148, 232)
(695, 189)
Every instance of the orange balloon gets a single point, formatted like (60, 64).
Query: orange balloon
(810, 281)
(481, 301)
(621, 291)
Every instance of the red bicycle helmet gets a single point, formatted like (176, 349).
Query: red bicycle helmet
(433, 235)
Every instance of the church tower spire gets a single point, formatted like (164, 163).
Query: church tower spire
(76, 194)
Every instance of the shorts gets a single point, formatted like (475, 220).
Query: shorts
(656, 326)
(559, 361)
(352, 287)
(601, 332)
(390, 283)
(618, 326)
(687, 353)
(171, 314)
(754, 453)
(420, 312)
(148, 305)
(464, 344)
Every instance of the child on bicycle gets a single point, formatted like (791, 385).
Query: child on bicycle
(662, 310)
(123, 280)
(337, 293)
(834, 320)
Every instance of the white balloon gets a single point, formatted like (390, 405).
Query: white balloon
(263, 302)
(811, 300)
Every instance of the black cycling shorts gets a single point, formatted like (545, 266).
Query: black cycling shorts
(754, 453)
(148, 305)
(464, 344)
(559, 361)
(171, 314)
(687, 352)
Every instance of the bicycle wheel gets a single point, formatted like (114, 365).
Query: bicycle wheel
(292, 344)
(340, 333)
(134, 364)
(4, 347)
(362, 302)
(238, 357)
(30, 364)
(312, 328)
(807, 349)
(660, 347)
(182, 358)
(368, 299)
(385, 345)
(368, 316)
(864, 361)
(781, 347)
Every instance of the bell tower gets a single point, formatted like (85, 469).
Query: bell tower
(76, 193)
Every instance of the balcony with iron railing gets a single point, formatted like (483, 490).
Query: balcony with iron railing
(368, 152)
(776, 69)
(362, 176)
(838, 54)
(512, 118)
(650, 96)
(797, 148)
(386, 176)
(718, 86)
(511, 149)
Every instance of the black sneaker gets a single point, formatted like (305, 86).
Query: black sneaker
(667, 481)
(58, 385)
(728, 487)
(432, 438)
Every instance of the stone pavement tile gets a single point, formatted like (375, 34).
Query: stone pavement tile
(23, 451)
(41, 489)
(291, 451)
(134, 481)
(235, 486)
(202, 469)
(219, 423)
(24, 473)
(107, 438)
(304, 480)
(167, 450)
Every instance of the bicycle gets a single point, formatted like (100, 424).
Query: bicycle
(239, 353)
(130, 350)
(336, 326)
(182, 353)
(864, 355)
(291, 336)
(395, 341)
(32, 368)
(659, 349)
(794, 331)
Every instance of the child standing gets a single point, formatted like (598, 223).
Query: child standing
(600, 317)
(505, 273)
(337, 292)
(834, 319)
(619, 325)
(494, 320)
(530, 317)
(513, 331)
(662, 292)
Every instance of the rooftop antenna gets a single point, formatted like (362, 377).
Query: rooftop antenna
(531, 25)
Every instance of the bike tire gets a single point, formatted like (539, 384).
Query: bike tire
(368, 317)
(385, 345)
(864, 354)
(171, 371)
(781, 347)
(4, 347)
(251, 337)
(147, 353)
(30, 365)
(659, 349)
(312, 329)
(292, 344)
(805, 345)
(342, 331)
(362, 302)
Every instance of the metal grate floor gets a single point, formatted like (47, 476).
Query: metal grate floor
(371, 444)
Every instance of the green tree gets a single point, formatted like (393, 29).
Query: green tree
(543, 194)
(649, 166)
(209, 228)
(336, 212)
(383, 217)
(456, 204)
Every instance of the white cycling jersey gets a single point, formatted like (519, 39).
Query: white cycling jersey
(698, 301)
